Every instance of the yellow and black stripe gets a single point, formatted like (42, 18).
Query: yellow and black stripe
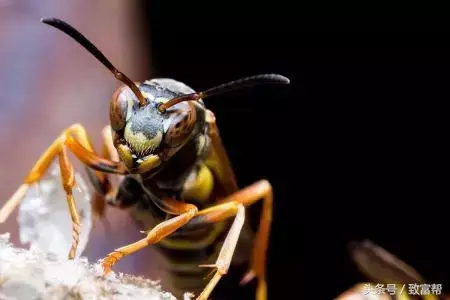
(196, 243)
(182, 256)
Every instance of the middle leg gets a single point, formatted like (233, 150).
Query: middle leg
(217, 214)
(261, 190)
(185, 213)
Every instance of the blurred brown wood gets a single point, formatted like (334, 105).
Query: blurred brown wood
(48, 82)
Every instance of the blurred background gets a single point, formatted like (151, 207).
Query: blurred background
(354, 147)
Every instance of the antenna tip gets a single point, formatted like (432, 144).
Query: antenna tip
(47, 21)
(50, 20)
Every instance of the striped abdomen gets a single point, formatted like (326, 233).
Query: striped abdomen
(185, 251)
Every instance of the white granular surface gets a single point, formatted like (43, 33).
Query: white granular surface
(43, 271)
(31, 274)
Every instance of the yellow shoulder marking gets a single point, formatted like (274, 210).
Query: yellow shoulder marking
(200, 187)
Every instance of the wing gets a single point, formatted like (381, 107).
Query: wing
(381, 266)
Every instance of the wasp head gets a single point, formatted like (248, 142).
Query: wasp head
(151, 121)
(143, 135)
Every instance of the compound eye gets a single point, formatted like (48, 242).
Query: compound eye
(119, 110)
(181, 126)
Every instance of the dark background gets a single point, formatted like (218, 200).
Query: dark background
(354, 147)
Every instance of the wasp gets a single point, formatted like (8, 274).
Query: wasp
(391, 277)
(175, 174)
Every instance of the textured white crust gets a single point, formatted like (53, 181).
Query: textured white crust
(26, 275)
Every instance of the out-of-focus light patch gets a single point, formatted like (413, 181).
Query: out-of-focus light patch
(5, 3)
(44, 217)
(23, 59)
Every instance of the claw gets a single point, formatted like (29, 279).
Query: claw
(106, 266)
(249, 276)
(261, 290)
(110, 260)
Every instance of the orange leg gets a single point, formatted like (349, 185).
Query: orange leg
(185, 213)
(109, 151)
(101, 182)
(248, 196)
(229, 207)
(68, 179)
(219, 161)
(82, 148)
(216, 214)
(211, 215)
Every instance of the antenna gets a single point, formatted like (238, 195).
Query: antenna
(83, 41)
(227, 87)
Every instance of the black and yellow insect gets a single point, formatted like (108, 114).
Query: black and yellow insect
(174, 172)
(395, 278)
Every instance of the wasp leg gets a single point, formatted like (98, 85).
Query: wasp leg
(82, 148)
(261, 189)
(219, 160)
(185, 213)
(247, 196)
(216, 214)
(106, 191)
(68, 179)
(109, 151)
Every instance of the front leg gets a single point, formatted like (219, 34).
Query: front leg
(75, 139)
(106, 189)
(185, 213)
